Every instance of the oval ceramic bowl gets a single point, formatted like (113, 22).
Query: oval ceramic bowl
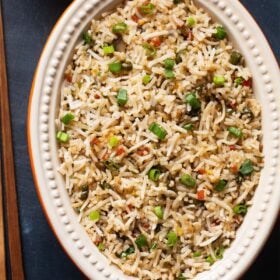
(44, 99)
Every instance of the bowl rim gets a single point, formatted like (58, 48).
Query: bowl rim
(220, 6)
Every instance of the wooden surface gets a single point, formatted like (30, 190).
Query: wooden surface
(8, 182)
(27, 24)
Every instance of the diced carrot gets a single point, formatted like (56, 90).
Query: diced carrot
(201, 171)
(94, 141)
(135, 18)
(248, 83)
(234, 168)
(96, 96)
(200, 195)
(156, 41)
(120, 150)
(68, 77)
(232, 147)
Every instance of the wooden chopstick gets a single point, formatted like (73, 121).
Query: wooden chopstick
(10, 194)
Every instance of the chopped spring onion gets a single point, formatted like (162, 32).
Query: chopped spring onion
(112, 166)
(193, 101)
(159, 131)
(84, 192)
(159, 212)
(169, 63)
(187, 180)
(246, 167)
(154, 174)
(127, 252)
(122, 97)
(188, 126)
(197, 254)
(141, 241)
(220, 186)
(108, 49)
(153, 246)
(146, 79)
(120, 27)
(101, 246)
(190, 21)
(169, 73)
(235, 58)
(219, 252)
(87, 38)
(147, 9)
(235, 131)
(219, 80)
(210, 259)
(67, 118)
(172, 238)
(238, 81)
(181, 277)
(104, 185)
(150, 50)
(240, 209)
(127, 66)
(62, 137)
(94, 215)
(176, 1)
(220, 33)
(115, 67)
(113, 142)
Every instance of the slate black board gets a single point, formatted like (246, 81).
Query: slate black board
(27, 24)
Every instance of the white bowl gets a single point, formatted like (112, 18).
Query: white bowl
(43, 103)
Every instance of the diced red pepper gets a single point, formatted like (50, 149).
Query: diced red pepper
(94, 141)
(156, 41)
(68, 77)
(234, 168)
(96, 96)
(232, 147)
(248, 83)
(135, 18)
(200, 195)
(201, 171)
(120, 150)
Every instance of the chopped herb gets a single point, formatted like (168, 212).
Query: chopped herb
(146, 79)
(67, 118)
(62, 137)
(159, 212)
(113, 142)
(219, 252)
(141, 241)
(108, 49)
(238, 81)
(122, 97)
(177, 1)
(115, 67)
(220, 33)
(188, 126)
(112, 166)
(210, 259)
(87, 38)
(153, 246)
(240, 209)
(191, 22)
(154, 174)
(181, 277)
(127, 252)
(147, 9)
(169, 73)
(150, 50)
(158, 130)
(171, 239)
(235, 58)
(220, 185)
(105, 185)
(169, 63)
(193, 101)
(187, 180)
(101, 246)
(84, 192)
(197, 254)
(246, 167)
(235, 131)
(178, 58)
(219, 80)
(120, 27)
(94, 215)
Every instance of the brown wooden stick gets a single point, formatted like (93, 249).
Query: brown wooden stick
(11, 210)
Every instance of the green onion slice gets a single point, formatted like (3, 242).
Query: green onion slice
(169, 63)
(240, 209)
(210, 259)
(193, 101)
(220, 185)
(190, 21)
(150, 50)
(115, 67)
(87, 38)
(153, 246)
(122, 97)
(62, 137)
(154, 174)
(219, 252)
(146, 79)
(169, 73)
(94, 215)
(246, 167)
(141, 241)
(188, 181)
(147, 9)
(159, 212)
(197, 254)
(171, 239)
(220, 33)
(120, 27)
(127, 252)
(108, 49)
(158, 130)
(113, 142)
(235, 58)
(67, 118)
(235, 131)
(219, 80)
(188, 126)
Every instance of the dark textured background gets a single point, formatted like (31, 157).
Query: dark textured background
(27, 24)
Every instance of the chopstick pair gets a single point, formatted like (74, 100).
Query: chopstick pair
(9, 209)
